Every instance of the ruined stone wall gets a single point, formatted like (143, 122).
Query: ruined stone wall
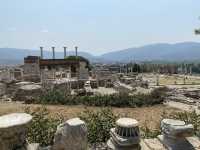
(83, 71)
(2, 89)
(31, 68)
(31, 72)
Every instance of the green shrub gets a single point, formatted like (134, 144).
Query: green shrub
(115, 100)
(159, 92)
(99, 124)
(42, 127)
(52, 97)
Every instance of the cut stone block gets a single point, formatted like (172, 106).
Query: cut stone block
(154, 144)
(176, 128)
(176, 144)
(194, 141)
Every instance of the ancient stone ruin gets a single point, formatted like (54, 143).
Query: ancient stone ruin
(13, 131)
(28, 92)
(175, 133)
(125, 136)
(72, 135)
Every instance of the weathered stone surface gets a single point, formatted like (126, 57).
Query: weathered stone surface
(98, 146)
(127, 122)
(28, 93)
(13, 131)
(194, 141)
(144, 146)
(30, 87)
(24, 83)
(175, 144)
(125, 136)
(154, 144)
(113, 146)
(33, 146)
(2, 89)
(71, 135)
(175, 133)
(14, 120)
(176, 128)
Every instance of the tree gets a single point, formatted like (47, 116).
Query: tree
(197, 31)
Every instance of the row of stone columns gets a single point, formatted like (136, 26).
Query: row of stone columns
(72, 135)
(53, 51)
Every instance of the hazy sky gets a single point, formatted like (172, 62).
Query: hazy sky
(96, 26)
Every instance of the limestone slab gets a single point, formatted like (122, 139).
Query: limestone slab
(176, 129)
(154, 144)
(176, 144)
(144, 146)
(194, 141)
(112, 146)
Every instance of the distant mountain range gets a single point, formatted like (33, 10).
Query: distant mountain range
(187, 51)
(16, 56)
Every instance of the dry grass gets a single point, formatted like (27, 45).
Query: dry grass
(151, 115)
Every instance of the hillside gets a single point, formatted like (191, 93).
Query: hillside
(16, 56)
(165, 52)
(187, 51)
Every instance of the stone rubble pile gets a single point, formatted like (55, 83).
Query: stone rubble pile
(184, 95)
(72, 135)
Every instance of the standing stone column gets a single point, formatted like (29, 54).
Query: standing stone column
(175, 133)
(13, 131)
(71, 135)
(125, 136)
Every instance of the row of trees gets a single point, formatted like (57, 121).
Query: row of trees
(175, 68)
